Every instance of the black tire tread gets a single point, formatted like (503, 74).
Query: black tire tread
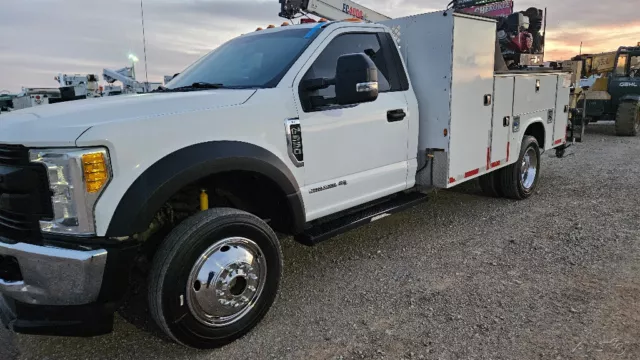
(626, 118)
(171, 245)
(508, 181)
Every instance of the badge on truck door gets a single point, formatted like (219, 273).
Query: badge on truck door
(293, 131)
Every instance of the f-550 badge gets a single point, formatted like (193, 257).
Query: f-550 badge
(294, 141)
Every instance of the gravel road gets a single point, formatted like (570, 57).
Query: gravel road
(460, 277)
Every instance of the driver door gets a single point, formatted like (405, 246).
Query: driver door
(357, 153)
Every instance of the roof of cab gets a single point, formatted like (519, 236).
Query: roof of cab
(311, 26)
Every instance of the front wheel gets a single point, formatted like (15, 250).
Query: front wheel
(215, 277)
(519, 180)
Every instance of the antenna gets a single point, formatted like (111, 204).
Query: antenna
(544, 35)
(144, 44)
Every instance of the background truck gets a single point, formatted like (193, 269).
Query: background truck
(6, 101)
(70, 88)
(306, 130)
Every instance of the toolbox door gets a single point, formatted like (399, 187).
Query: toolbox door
(501, 121)
(562, 110)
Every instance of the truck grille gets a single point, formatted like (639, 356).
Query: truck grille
(13, 155)
(25, 197)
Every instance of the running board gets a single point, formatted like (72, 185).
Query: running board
(326, 230)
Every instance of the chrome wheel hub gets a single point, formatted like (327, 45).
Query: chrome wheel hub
(226, 281)
(529, 169)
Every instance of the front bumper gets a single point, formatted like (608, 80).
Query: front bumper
(74, 320)
(53, 276)
(63, 287)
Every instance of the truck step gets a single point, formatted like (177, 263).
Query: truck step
(321, 231)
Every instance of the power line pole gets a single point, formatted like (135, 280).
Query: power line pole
(144, 44)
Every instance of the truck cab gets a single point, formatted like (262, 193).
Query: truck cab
(624, 84)
(307, 130)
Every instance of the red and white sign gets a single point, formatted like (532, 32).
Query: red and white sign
(353, 11)
(496, 9)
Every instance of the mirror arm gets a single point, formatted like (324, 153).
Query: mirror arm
(319, 101)
(318, 84)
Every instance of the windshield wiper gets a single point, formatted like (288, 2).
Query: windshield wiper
(160, 89)
(197, 86)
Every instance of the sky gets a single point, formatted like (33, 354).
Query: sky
(41, 38)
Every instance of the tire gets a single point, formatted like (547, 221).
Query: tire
(490, 184)
(628, 119)
(512, 183)
(184, 290)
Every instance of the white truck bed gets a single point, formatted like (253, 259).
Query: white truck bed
(473, 119)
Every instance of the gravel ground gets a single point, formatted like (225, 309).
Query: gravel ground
(460, 277)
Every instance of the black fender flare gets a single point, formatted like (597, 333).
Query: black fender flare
(160, 181)
(630, 97)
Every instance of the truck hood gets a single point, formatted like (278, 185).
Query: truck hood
(61, 124)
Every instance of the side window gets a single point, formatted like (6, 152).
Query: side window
(621, 68)
(325, 64)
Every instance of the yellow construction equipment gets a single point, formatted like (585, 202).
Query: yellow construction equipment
(615, 94)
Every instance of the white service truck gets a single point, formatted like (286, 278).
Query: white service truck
(305, 130)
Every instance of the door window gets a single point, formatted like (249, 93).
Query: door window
(325, 65)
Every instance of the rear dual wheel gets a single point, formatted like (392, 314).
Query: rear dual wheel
(215, 277)
(519, 180)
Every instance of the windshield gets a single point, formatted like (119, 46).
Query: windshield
(633, 63)
(634, 67)
(255, 61)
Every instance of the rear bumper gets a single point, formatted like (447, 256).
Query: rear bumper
(54, 276)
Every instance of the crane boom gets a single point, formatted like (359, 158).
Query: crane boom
(597, 63)
(333, 10)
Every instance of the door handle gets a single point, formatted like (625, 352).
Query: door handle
(396, 115)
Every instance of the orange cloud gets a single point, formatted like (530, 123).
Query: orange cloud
(564, 43)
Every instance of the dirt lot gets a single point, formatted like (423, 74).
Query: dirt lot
(460, 277)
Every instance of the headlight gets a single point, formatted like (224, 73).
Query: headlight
(77, 177)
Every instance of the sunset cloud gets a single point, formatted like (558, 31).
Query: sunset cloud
(41, 38)
(565, 43)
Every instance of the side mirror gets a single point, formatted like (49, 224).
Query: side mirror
(356, 79)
